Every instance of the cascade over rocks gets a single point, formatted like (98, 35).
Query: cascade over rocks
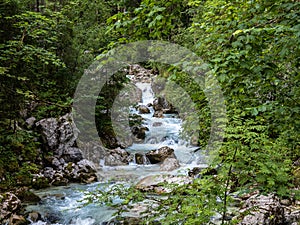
(160, 104)
(71, 160)
(141, 159)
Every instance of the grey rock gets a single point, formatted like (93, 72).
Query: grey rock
(116, 157)
(17, 220)
(9, 205)
(57, 163)
(160, 104)
(49, 172)
(34, 216)
(86, 166)
(72, 155)
(48, 128)
(263, 210)
(169, 164)
(93, 151)
(30, 121)
(158, 114)
(195, 172)
(159, 155)
(58, 133)
(141, 159)
(154, 183)
(292, 216)
(269, 210)
(157, 124)
(140, 74)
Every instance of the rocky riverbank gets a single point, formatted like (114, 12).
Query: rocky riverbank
(64, 160)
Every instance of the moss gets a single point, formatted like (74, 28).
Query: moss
(69, 167)
(19, 152)
(40, 182)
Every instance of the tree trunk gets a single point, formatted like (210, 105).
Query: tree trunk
(37, 6)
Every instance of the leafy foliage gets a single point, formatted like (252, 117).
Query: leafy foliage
(18, 151)
(251, 47)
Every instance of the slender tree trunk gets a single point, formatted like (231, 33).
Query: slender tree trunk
(37, 6)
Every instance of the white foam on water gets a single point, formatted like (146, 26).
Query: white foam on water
(162, 132)
(147, 93)
(77, 221)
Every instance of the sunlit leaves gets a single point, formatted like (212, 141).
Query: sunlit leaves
(151, 20)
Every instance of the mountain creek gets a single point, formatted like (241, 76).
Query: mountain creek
(62, 205)
(153, 153)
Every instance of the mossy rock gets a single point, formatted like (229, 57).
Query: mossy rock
(13, 166)
(25, 195)
(69, 167)
(40, 182)
(296, 173)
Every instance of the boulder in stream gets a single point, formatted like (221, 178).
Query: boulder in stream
(158, 114)
(159, 155)
(139, 132)
(157, 124)
(34, 216)
(116, 157)
(169, 164)
(161, 104)
(154, 183)
(143, 109)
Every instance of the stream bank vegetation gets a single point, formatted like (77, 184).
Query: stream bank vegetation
(251, 47)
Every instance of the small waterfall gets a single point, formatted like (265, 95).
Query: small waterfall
(147, 93)
(146, 160)
(162, 131)
(139, 159)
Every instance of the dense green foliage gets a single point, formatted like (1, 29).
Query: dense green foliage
(44, 48)
(251, 47)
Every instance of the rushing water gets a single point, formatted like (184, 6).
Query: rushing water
(62, 205)
(162, 131)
